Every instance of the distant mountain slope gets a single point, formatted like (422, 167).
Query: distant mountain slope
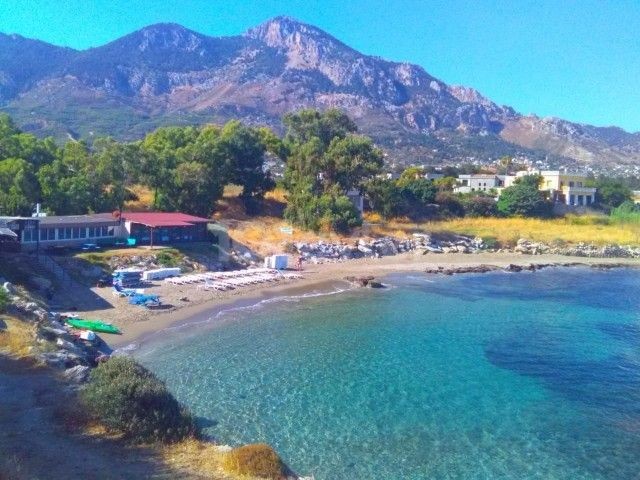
(167, 74)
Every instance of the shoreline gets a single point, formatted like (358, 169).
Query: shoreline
(140, 325)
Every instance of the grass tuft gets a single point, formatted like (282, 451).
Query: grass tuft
(256, 460)
(16, 336)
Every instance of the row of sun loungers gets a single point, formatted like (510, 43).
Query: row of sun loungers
(230, 280)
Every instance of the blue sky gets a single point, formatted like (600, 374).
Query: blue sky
(574, 59)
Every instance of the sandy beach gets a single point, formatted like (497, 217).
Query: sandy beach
(186, 303)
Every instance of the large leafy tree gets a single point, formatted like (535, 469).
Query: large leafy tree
(244, 149)
(326, 159)
(69, 184)
(611, 192)
(524, 198)
(385, 198)
(162, 150)
(116, 166)
(19, 188)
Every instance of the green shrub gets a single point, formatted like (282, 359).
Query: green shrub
(491, 243)
(450, 205)
(479, 206)
(331, 211)
(627, 212)
(167, 259)
(612, 192)
(524, 199)
(257, 460)
(131, 400)
(4, 299)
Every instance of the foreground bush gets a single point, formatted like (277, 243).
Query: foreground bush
(4, 299)
(129, 399)
(257, 460)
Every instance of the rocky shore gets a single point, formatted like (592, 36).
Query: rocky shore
(512, 267)
(56, 344)
(424, 243)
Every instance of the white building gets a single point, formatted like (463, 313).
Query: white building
(478, 183)
(563, 187)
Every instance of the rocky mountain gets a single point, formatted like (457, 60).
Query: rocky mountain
(167, 74)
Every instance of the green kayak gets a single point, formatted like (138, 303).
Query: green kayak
(93, 325)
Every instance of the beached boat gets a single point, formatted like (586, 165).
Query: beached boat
(93, 325)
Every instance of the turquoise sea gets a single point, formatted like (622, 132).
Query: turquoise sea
(481, 376)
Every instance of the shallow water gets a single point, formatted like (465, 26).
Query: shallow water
(490, 376)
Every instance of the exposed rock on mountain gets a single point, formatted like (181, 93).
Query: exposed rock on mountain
(167, 74)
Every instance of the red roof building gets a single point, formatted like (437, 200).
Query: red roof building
(163, 219)
(164, 227)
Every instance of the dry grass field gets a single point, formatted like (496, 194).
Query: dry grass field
(568, 230)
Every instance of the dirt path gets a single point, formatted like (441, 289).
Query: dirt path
(34, 445)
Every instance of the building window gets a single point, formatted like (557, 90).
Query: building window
(65, 233)
(83, 232)
(570, 184)
(75, 232)
(29, 235)
(47, 234)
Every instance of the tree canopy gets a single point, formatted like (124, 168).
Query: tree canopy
(524, 198)
(185, 167)
(326, 159)
(611, 192)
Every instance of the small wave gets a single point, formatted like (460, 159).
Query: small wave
(129, 349)
(417, 278)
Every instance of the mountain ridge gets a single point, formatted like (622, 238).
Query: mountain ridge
(168, 74)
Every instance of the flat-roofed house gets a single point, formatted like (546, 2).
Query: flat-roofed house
(43, 232)
(569, 188)
(478, 182)
(76, 230)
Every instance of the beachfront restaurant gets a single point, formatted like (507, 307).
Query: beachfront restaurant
(13, 229)
(29, 234)
(158, 228)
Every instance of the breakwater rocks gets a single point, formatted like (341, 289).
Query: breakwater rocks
(386, 246)
(424, 243)
(528, 247)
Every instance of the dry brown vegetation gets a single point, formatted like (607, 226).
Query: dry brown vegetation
(568, 230)
(16, 336)
(257, 460)
(195, 457)
(144, 199)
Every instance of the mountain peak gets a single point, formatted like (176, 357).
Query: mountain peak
(285, 32)
(163, 36)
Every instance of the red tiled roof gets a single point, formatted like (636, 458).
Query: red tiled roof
(163, 219)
